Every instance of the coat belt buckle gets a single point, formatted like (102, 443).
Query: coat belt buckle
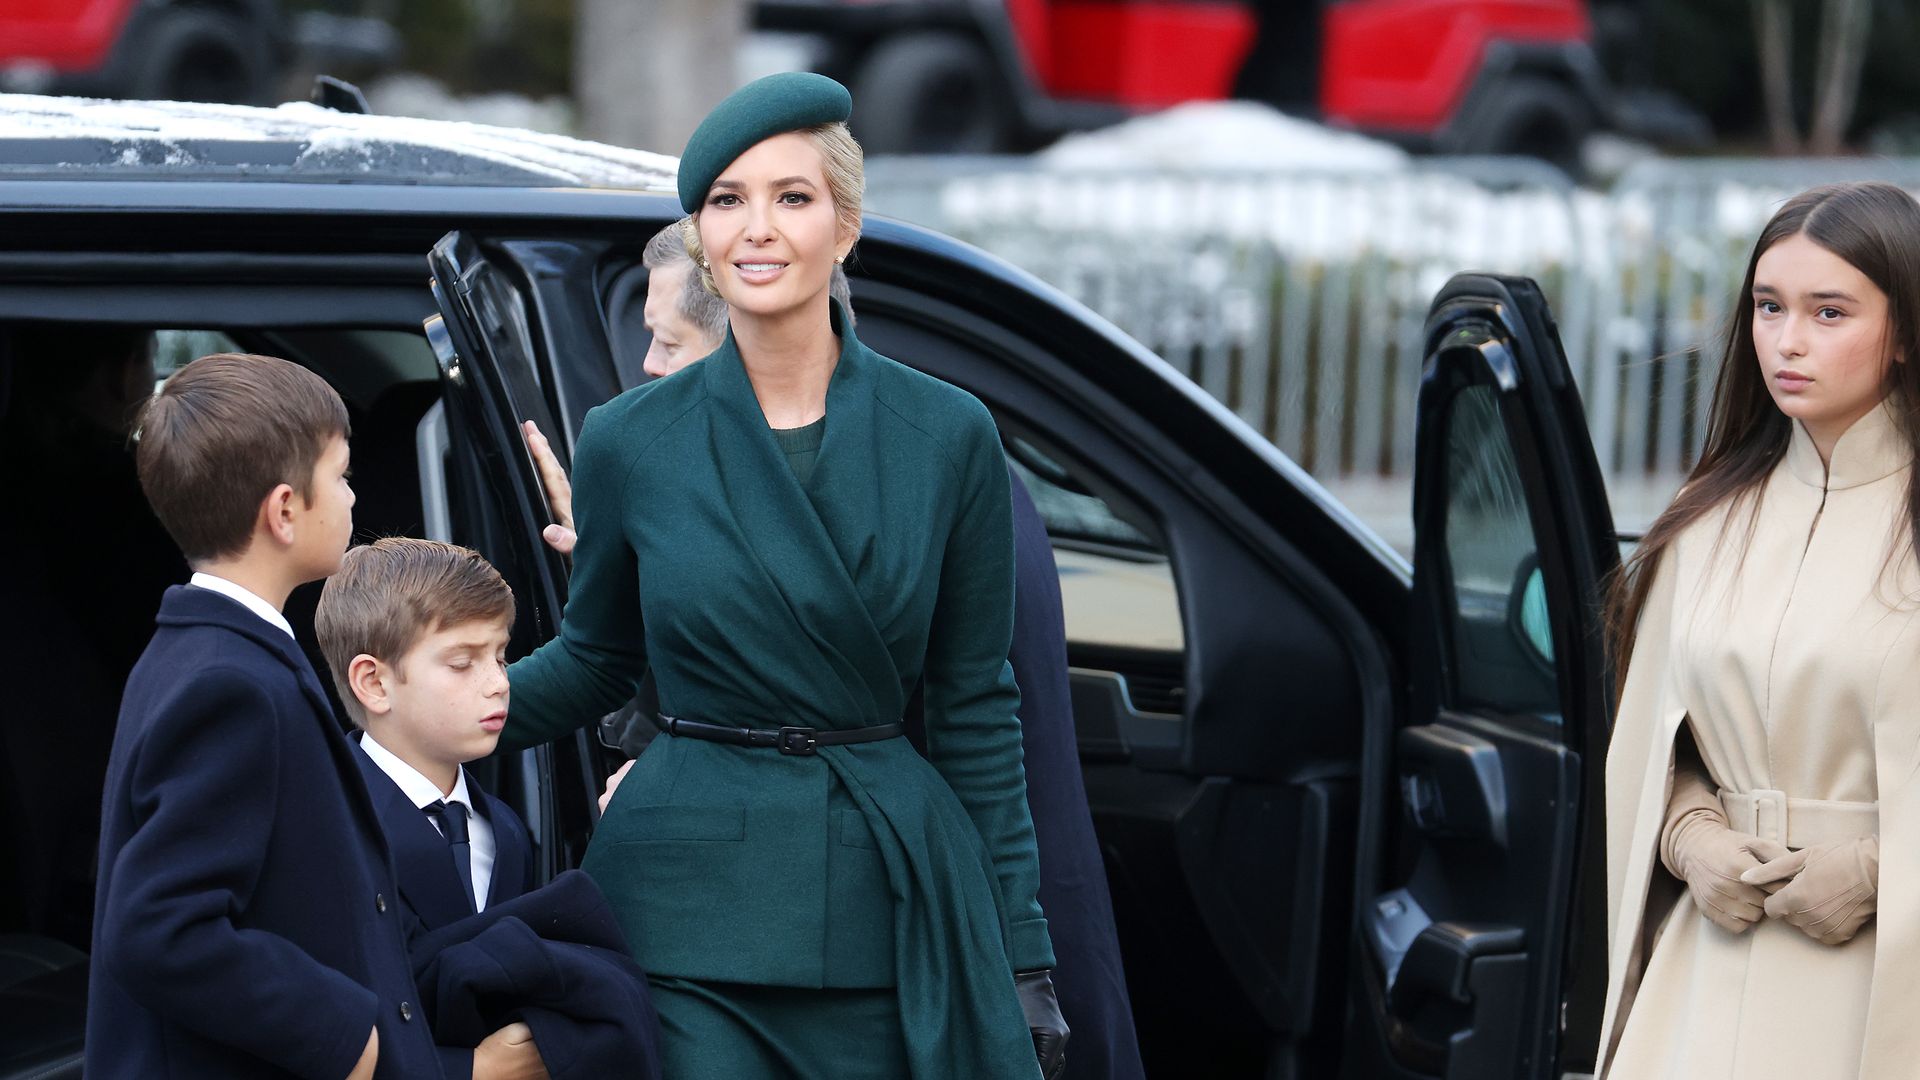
(797, 741)
(1770, 815)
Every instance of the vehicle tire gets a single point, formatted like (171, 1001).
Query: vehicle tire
(198, 54)
(1531, 116)
(929, 93)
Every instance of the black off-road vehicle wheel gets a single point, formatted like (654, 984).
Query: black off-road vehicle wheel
(199, 54)
(927, 93)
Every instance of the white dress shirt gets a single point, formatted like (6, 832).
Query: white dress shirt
(424, 793)
(242, 596)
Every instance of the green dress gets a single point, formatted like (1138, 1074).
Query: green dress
(764, 600)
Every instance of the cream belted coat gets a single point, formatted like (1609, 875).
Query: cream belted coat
(1797, 668)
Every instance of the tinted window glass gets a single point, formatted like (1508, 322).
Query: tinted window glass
(1070, 510)
(1498, 624)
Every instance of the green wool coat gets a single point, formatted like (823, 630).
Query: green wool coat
(762, 601)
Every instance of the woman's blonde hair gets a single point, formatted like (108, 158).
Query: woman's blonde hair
(844, 165)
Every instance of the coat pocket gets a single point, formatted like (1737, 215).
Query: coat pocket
(681, 823)
(850, 828)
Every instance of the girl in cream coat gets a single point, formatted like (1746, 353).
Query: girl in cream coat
(1762, 816)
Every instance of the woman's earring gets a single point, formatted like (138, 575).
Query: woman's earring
(839, 259)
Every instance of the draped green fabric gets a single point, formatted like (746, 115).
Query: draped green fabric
(764, 600)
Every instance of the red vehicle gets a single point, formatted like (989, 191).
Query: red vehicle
(1451, 76)
(225, 50)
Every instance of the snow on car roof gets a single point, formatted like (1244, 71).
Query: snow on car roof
(89, 138)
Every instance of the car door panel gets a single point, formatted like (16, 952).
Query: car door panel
(1477, 923)
(1222, 784)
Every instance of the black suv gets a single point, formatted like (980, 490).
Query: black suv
(1347, 805)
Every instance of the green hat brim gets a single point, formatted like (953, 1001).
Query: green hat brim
(775, 105)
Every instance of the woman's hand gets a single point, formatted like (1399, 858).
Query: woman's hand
(1044, 1022)
(613, 782)
(1829, 891)
(1712, 860)
(560, 535)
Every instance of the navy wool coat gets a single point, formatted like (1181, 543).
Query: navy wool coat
(247, 922)
(1073, 880)
(430, 889)
(429, 884)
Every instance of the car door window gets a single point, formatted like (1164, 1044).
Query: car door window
(1117, 588)
(175, 349)
(1502, 650)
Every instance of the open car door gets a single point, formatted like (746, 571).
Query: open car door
(485, 340)
(1480, 934)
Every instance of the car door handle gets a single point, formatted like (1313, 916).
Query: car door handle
(1452, 783)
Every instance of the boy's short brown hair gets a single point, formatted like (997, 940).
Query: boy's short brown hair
(223, 432)
(391, 593)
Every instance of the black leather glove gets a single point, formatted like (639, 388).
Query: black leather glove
(1048, 1027)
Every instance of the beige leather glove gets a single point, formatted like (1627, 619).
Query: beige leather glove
(1699, 849)
(1829, 891)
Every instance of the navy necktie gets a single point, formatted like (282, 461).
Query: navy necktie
(452, 820)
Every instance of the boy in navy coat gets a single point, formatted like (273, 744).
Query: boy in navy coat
(415, 632)
(247, 922)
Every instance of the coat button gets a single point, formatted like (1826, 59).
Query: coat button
(406, 1012)
(380, 903)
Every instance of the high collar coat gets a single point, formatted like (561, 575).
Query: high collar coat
(1787, 641)
(761, 601)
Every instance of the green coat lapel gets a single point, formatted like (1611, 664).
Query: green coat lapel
(813, 543)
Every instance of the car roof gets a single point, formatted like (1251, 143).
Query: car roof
(72, 167)
(83, 138)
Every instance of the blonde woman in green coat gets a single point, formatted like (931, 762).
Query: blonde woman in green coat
(792, 534)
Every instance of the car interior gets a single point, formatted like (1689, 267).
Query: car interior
(67, 619)
(1218, 702)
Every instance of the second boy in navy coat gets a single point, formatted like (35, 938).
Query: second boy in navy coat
(415, 633)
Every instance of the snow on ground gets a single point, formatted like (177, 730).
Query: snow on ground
(167, 134)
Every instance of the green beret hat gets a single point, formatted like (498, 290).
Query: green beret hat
(757, 111)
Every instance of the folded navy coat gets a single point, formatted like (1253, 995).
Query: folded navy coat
(555, 959)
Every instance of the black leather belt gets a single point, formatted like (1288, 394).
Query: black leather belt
(787, 740)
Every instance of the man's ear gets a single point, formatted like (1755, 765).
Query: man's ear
(369, 680)
(276, 513)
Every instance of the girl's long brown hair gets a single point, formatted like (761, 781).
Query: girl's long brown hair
(1875, 227)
